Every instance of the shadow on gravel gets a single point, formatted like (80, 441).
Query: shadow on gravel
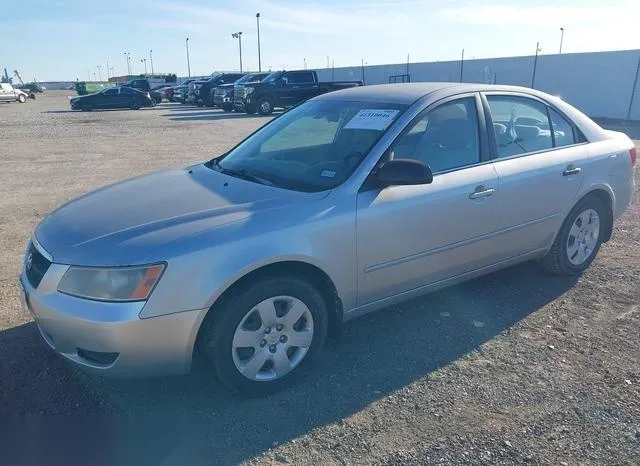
(191, 420)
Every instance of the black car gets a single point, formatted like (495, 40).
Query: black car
(223, 95)
(113, 97)
(32, 87)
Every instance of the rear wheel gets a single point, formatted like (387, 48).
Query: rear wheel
(265, 335)
(579, 238)
(265, 107)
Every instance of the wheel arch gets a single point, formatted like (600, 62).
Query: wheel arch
(294, 267)
(605, 195)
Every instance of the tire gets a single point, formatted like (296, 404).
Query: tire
(227, 107)
(561, 258)
(22, 99)
(265, 107)
(218, 333)
(135, 105)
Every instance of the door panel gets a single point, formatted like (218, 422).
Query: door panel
(409, 236)
(534, 196)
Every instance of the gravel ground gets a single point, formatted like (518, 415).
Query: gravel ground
(514, 368)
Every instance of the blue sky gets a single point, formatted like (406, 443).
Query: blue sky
(67, 39)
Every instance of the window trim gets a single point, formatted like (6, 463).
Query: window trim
(482, 141)
(577, 134)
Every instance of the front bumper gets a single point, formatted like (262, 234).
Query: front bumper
(110, 338)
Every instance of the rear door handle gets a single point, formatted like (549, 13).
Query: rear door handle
(481, 192)
(571, 170)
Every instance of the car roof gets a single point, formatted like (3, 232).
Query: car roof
(408, 93)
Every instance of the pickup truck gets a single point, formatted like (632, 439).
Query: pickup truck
(200, 91)
(223, 95)
(145, 86)
(284, 89)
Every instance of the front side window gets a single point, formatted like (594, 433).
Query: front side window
(521, 125)
(313, 147)
(445, 138)
(111, 92)
(127, 90)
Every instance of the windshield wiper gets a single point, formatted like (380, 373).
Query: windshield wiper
(242, 173)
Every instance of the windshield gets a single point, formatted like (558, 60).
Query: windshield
(273, 76)
(244, 79)
(312, 147)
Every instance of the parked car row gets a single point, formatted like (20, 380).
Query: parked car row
(256, 92)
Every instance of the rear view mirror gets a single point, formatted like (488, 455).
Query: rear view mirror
(398, 172)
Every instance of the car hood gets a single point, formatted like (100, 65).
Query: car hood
(131, 221)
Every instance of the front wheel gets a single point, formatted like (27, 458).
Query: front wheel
(135, 105)
(265, 107)
(22, 99)
(579, 238)
(265, 335)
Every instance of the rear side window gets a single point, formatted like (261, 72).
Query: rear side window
(562, 129)
(521, 125)
(127, 90)
(303, 77)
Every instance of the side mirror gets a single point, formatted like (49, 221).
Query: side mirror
(399, 172)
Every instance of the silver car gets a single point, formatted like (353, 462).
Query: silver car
(350, 202)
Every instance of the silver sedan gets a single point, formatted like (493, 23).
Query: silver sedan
(348, 203)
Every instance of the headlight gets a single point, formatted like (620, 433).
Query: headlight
(111, 284)
(248, 90)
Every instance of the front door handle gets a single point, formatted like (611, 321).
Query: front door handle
(571, 170)
(481, 192)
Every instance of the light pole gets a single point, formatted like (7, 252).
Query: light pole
(238, 35)
(561, 38)
(144, 60)
(258, 24)
(151, 58)
(128, 56)
(188, 64)
(99, 72)
(108, 69)
(304, 61)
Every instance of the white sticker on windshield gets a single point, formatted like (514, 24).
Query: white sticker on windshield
(372, 118)
(328, 173)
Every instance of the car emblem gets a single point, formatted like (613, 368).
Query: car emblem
(29, 261)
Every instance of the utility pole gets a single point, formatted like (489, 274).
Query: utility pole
(144, 60)
(99, 72)
(188, 64)
(258, 24)
(535, 65)
(461, 65)
(304, 60)
(151, 58)
(327, 61)
(108, 69)
(238, 35)
(362, 67)
(561, 38)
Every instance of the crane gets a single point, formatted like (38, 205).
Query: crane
(17, 75)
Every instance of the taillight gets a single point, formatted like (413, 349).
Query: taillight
(633, 152)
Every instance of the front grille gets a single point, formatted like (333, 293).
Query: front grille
(36, 266)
